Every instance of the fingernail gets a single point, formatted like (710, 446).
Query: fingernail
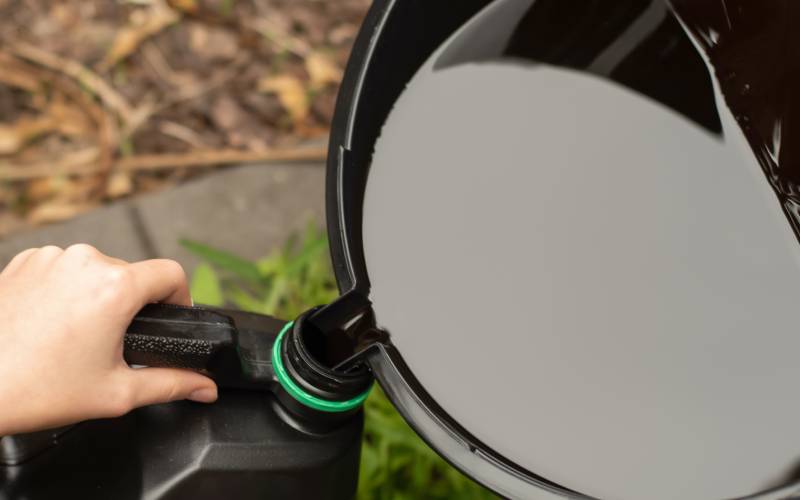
(203, 395)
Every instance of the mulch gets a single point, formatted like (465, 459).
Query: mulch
(103, 99)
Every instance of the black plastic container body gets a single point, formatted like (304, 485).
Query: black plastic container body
(248, 445)
(239, 448)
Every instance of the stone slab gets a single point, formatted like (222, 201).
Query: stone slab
(111, 229)
(247, 211)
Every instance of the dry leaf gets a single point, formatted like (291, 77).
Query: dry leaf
(291, 93)
(158, 62)
(182, 133)
(322, 70)
(24, 81)
(40, 189)
(119, 184)
(277, 29)
(157, 17)
(212, 43)
(77, 189)
(70, 197)
(14, 136)
(58, 210)
(17, 75)
(69, 163)
(69, 119)
(226, 113)
(10, 140)
(343, 33)
(74, 69)
(189, 6)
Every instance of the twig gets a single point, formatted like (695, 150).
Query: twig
(280, 37)
(222, 157)
(67, 87)
(159, 17)
(17, 73)
(79, 162)
(140, 116)
(216, 81)
(148, 109)
(84, 162)
(89, 79)
(182, 133)
(167, 78)
(107, 132)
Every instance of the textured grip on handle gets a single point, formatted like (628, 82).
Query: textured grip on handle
(181, 337)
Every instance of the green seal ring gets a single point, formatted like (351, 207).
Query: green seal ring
(301, 395)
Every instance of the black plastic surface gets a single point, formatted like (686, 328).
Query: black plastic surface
(15, 450)
(396, 38)
(304, 350)
(239, 448)
(258, 443)
(180, 337)
(232, 347)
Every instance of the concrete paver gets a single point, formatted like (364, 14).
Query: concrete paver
(111, 229)
(245, 210)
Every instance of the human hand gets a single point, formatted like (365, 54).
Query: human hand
(63, 316)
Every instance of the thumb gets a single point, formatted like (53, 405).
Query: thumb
(162, 385)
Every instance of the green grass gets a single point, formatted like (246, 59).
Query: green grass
(395, 463)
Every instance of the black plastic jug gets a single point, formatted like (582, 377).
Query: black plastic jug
(248, 445)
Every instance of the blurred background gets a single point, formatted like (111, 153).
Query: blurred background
(101, 100)
(194, 130)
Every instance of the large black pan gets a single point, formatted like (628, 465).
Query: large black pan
(586, 279)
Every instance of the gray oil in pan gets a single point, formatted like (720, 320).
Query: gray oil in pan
(592, 284)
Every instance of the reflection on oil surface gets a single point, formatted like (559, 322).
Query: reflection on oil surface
(753, 49)
(579, 256)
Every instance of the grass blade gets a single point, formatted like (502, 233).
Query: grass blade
(224, 260)
(206, 287)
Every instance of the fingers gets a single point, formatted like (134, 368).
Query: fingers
(44, 257)
(41, 258)
(36, 259)
(82, 254)
(18, 261)
(161, 280)
(157, 280)
(162, 385)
